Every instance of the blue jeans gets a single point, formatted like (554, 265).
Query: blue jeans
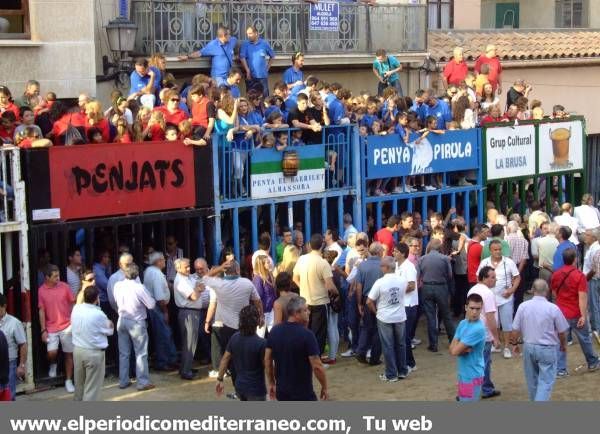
(396, 84)
(136, 332)
(393, 344)
(353, 319)
(540, 362)
(437, 296)
(164, 347)
(411, 320)
(594, 303)
(487, 388)
(585, 341)
(12, 377)
(369, 339)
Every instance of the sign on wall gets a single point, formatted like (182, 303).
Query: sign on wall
(324, 16)
(113, 179)
(389, 156)
(268, 180)
(560, 147)
(510, 152)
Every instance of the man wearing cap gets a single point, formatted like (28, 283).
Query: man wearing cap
(155, 283)
(519, 89)
(495, 72)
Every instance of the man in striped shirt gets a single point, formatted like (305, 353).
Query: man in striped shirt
(519, 248)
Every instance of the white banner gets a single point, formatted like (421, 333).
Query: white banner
(561, 146)
(275, 184)
(510, 152)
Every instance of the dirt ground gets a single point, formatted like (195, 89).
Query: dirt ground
(434, 380)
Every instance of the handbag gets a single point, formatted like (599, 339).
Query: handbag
(73, 135)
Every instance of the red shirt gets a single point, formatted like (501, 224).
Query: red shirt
(172, 118)
(11, 108)
(566, 283)
(489, 119)
(495, 69)
(157, 133)
(455, 72)
(104, 126)
(57, 303)
(385, 237)
(7, 134)
(473, 260)
(124, 139)
(202, 111)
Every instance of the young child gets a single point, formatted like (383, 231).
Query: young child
(157, 126)
(371, 114)
(282, 141)
(297, 138)
(268, 141)
(8, 121)
(171, 133)
(27, 120)
(27, 136)
(274, 121)
(185, 129)
(94, 135)
(431, 128)
(123, 135)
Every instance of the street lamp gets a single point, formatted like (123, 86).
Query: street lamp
(121, 33)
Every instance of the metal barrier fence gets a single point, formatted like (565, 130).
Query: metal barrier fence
(182, 26)
(252, 195)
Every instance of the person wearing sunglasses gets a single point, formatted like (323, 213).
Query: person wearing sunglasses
(87, 279)
(172, 111)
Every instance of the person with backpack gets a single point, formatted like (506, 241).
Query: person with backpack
(386, 69)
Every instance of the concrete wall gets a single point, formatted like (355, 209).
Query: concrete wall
(533, 14)
(61, 52)
(467, 14)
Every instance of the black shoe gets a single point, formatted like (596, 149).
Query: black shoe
(375, 363)
(362, 359)
(432, 348)
(195, 370)
(188, 376)
(491, 395)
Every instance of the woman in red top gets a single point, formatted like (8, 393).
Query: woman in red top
(95, 119)
(171, 111)
(6, 103)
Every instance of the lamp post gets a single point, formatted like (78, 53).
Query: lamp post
(121, 33)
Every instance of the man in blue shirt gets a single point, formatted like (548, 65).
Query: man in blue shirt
(468, 344)
(220, 50)
(293, 76)
(440, 109)
(386, 68)
(562, 235)
(254, 54)
(233, 80)
(143, 83)
(419, 106)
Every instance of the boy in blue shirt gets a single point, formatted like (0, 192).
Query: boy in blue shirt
(467, 345)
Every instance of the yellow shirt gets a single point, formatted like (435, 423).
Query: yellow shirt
(313, 270)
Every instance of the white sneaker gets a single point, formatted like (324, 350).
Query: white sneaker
(495, 350)
(507, 354)
(52, 370)
(69, 386)
(569, 343)
(416, 341)
(414, 368)
(430, 188)
(398, 190)
(348, 353)
(369, 354)
(213, 374)
(411, 189)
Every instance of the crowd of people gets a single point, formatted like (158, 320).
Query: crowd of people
(272, 322)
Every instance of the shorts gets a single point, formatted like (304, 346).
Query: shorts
(469, 390)
(505, 315)
(64, 337)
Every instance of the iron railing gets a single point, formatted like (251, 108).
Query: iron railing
(182, 26)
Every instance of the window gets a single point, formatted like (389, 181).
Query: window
(440, 14)
(14, 19)
(571, 13)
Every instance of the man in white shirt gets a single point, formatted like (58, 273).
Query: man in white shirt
(187, 295)
(591, 240)
(125, 260)
(156, 284)
(489, 315)
(386, 301)
(17, 346)
(406, 270)
(507, 282)
(132, 300)
(331, 243)
(201, 268)
(90, 328)
(587, 215)
(566, 219)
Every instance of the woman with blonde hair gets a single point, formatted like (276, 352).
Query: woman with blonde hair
(288, 260)
(94, 118)
(265, 286)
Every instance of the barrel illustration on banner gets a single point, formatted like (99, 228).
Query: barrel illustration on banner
(297, 170)
(560, 146)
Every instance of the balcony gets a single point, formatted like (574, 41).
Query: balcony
(181, 26)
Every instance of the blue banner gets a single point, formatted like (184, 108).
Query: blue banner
(324, 16)
(389, 156)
